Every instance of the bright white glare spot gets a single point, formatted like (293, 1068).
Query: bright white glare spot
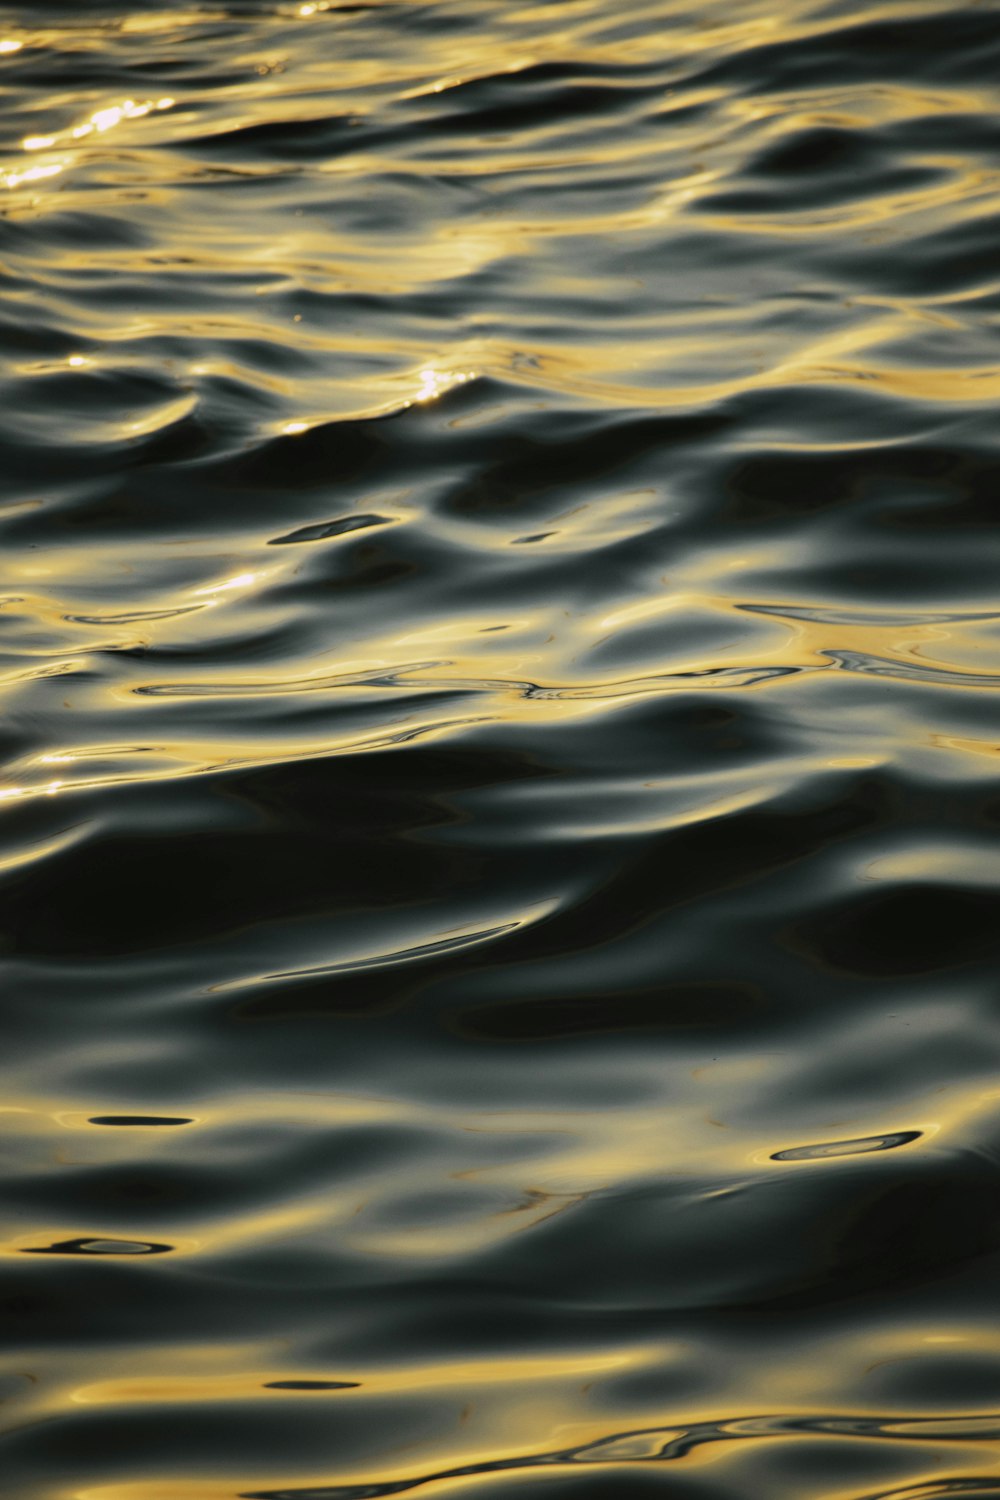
(100, 120)
(308, 10)
(434, 383)
(12, 791)
(30, 174)
(241, 581)
(104, 119)
(56, 760)
(293, 428)
(52, 788)
(76, 360)
(8, 45)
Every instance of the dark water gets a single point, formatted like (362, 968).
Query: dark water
(499, 881)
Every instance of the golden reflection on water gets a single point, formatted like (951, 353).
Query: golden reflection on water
(502, 677)
(501, 1409)
(136, 671)
(100, 121)
(17, 179)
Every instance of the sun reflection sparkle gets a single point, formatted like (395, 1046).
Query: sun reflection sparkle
(32, 174)
(434, 383)
(240, 581)
(99, 122)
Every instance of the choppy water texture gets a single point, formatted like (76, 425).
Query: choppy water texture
(499, 881)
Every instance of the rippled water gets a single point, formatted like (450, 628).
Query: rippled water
(499, 808)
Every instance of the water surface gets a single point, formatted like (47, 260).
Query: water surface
(499, 645)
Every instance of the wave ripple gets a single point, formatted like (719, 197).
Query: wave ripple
(499, 647)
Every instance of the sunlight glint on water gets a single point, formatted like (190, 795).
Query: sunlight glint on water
(498, 647)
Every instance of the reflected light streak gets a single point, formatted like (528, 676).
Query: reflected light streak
(445, 1376)
(99, 122)
(31, 174)
(434, 383)
(241, 581)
